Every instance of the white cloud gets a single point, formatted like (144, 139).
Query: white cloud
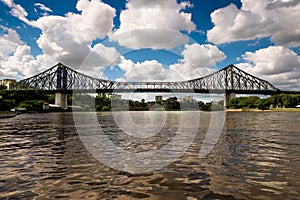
(16, 58)
(276, 64)
(99, 57)
(67, 39)
(9, 41)
(198, 61)
(186, 71)
(277, 19)
(10, 50)
(149, 70)
(17, 10)
(204, 55)
(94, 22)
(153, 24)
(20, 64)
(43, 7)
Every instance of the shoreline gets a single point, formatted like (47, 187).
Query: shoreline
(269, 110)
(7, 114)
(4, 114)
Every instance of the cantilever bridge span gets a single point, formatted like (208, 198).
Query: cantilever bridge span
(63, 80)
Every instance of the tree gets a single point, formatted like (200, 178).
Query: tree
(289, 101)
(206, 107)
(101, 101)
(217, 106)
(32, 105)
(200, 104)
(105, 108)
(6, 104)
(251, 101)
(143, 104)
(263, 104)
(172, 104)
(233, 103)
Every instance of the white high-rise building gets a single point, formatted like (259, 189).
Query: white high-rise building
(8, 84)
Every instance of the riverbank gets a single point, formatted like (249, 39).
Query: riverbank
(7, 114)
(269, 110)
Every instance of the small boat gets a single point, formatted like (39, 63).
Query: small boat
(8, 114)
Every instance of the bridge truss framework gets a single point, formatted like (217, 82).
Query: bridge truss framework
(62, 79)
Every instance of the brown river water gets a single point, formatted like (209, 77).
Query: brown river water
(257, 156)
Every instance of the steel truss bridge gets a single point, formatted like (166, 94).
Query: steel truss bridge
(65, 80)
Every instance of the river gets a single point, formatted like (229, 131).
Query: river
(257, 156)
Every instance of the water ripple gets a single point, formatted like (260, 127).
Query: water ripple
(256, 157)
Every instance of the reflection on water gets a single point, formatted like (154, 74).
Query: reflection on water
(257, 157)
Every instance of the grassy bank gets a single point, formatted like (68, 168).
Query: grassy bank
(269, 110)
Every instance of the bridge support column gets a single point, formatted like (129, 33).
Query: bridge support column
(228, 97)
(61, 100)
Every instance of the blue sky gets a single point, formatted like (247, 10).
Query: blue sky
(142, 40)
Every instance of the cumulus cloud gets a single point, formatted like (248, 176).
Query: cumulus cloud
(16, 58)
(276, 64)
(153, 24)
(277, 19)
(204, 55)
(23, 62)
(67, 39)
(20, 64)
(149, 70)
(10, 45)
(9, 41)
(94, 22)
(197, 61)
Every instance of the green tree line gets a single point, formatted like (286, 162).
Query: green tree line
(34, 100)
(31, 100)
(275, 101)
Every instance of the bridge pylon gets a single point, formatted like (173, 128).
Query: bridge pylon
(61, 100)
(61, 84)
(227, 97)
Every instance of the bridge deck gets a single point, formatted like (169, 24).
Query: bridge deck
(183, 91)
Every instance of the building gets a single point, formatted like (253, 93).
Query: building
(158, 99)
(172, 99)
(188, 98)
(116, 96)
(8, 84)
(112, 96)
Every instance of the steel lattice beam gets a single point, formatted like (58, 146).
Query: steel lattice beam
(230, 79)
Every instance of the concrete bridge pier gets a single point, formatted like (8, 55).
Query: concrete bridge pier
(61, 100)
(228, 97)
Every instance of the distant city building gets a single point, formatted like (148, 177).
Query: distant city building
(172, 103)
(188, 98)
(158, 99)
(116, 96)
(8, 84)
(112, 96)
(172, 99)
